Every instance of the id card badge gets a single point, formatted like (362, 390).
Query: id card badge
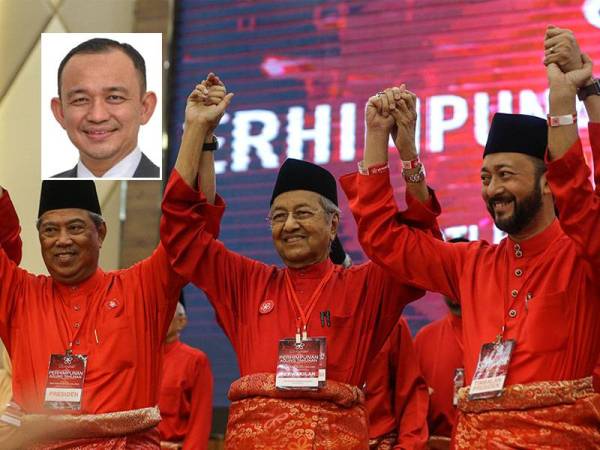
(298, 365)
(66, 374)
(322, 361)
(492, 369)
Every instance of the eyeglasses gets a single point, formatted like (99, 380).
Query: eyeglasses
(278, 218)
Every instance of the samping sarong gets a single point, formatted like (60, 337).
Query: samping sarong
(264, 417)
(120, 430)
(542, 415)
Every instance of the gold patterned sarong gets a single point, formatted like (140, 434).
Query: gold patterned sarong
(542, 415)
(109, 431)
(264, 417)
(385, 442)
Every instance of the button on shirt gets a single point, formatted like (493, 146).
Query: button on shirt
(40, 317)
(557, 330)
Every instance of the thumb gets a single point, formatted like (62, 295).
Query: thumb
(225, 102)
(553, 71)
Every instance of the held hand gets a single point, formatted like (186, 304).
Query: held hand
(207, 103)
(405, 117)
(561, 48)
(567, 83)
(375, 119)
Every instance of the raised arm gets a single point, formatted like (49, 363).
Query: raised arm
(201, 117)
(10, 239)
(568, 173)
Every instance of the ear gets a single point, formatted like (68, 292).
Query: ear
(545, 186)
(102, 233)
(335, 221)
(148, 105)
(57, 110)
(181, 323)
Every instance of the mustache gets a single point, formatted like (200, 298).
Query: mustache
(504, 198)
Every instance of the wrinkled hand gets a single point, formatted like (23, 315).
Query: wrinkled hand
(375, 119)
(561, 48)
(567, 83)
(207, 103)
(405, 121)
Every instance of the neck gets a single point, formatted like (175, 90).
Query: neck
(172, 338)
(302, 264)
(100, 166)
(536, 226)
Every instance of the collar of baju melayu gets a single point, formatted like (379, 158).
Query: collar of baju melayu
(540, 242)
(317, 270)
(87, 287)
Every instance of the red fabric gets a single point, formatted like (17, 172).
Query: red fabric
(264, 417)
(237, 286)
(186, 393)
(10, 239)
(439, 349)
(147, 440)
(123, 317)
(562, 415)
(396, 394)
(557, 333)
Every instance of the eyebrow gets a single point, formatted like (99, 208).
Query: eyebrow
(498, 167)
(69, 222)
(301, 205)
(109, 89)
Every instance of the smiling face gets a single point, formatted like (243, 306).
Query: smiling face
(102, 107)
(302, 230)
(512, 189)
(70, 243)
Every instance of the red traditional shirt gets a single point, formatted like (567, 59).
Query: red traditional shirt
(396, 395)
(118, 319)
(10, 239)
(186, 393)
(544, 290)
(362, 303)
(439, 350)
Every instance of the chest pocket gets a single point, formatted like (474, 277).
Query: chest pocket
(116, 348)
(547, 324)
(341, 336)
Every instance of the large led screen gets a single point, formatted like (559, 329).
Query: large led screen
(302, 71)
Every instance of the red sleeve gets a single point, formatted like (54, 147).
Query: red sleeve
(577, 203)
(412, 255)
(411, 396)
(594, 132)
(201, 406)
(198, 257)
(10, 239)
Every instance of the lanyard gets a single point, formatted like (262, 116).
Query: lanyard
(292, 297)
(94, 300)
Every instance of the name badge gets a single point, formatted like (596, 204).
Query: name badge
(492, 369)
(301, 365)
(66, 374)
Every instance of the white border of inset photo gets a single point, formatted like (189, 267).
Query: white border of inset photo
(58, 154)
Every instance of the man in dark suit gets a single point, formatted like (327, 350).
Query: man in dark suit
(102, 102)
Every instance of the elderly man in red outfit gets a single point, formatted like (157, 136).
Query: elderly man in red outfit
(86, 373)
(529, 304)
(396, 395)
(304, 334)
(186, 391)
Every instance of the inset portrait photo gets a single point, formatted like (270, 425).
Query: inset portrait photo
(101, 107)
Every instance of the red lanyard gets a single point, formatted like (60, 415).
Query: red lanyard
(304, 316)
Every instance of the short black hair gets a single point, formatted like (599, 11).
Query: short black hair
(103, 45)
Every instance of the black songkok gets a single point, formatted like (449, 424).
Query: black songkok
(63, 194)
(295, 175)
(517, 133)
